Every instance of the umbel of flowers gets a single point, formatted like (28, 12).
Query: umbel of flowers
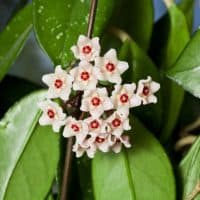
(94, 89)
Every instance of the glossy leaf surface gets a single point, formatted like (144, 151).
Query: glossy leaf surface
(58, 25)
(190, 172)
(29, 153)
(140, 67)
(142, 172)
(136, 18)
(14, 36)
(186, 71)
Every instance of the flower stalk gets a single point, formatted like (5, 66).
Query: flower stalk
(69, 153)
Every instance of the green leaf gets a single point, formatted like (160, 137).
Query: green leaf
(14, 36)
(186, 71)
(128, 17)
(187, 7)
(141, 66)
(58, 25)
(189, 169)
(142, 172)
(29, 153)
(49, 197)
(166, 51)
(84, 171)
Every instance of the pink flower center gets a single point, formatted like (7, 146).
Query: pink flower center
(100, 140)
(75, 128)
(110, 67)
(87, 49)
(51, 113)
(85, 76)
(145, 91)
(96, 101)
(116, 122)
(94, 124)
(124, 98)
(58, 83)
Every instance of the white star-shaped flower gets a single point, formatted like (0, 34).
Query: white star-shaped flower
(146, 89)
(77, 128)
(110, 67)
(59, 83)
(86, 48)
(123, 96)
(94, 125)
(52, 115)
(86, 146)
(116, 142)
(101, 142)
(118, 122)
(85, 76)
(96, 102)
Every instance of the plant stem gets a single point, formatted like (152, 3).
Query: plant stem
(70, 141)
(168, 3)
(92, 15)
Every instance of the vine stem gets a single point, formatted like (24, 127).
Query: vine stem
(70, 141)
(168, 3)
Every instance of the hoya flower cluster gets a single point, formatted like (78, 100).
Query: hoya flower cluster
(104, 101)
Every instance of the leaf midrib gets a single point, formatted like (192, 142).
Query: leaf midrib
(128, 170)
(171, 72)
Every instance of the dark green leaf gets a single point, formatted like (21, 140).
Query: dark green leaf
(141, 66)
(13, 38)
(187, 7)
(189, 169)
(50, 197)
(186, 71)
(84, 171)
(136, 18)
(142, 172)
(59, 24)
(29, 153)
(168, 46)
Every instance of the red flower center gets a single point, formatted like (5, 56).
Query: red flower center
(116, 122)
(124, 98)
(95, 101)
(51, 113)
(75, 128)
(145, 91)
(58, 83)
(110, 67)
(94, 124)
(85, 76)
(87, 49)
(100, 140)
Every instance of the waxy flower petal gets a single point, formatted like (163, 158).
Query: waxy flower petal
(105, 113)
(118, 122)
(85, 76)
(86, 48)
(117, 143)
(96, 102)
(146, 90)
(77, 128)
(94, 125)
(86, 146)
(101, 142)
(123, 96)
(52, 115)
(110, 67)
(59, 83)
